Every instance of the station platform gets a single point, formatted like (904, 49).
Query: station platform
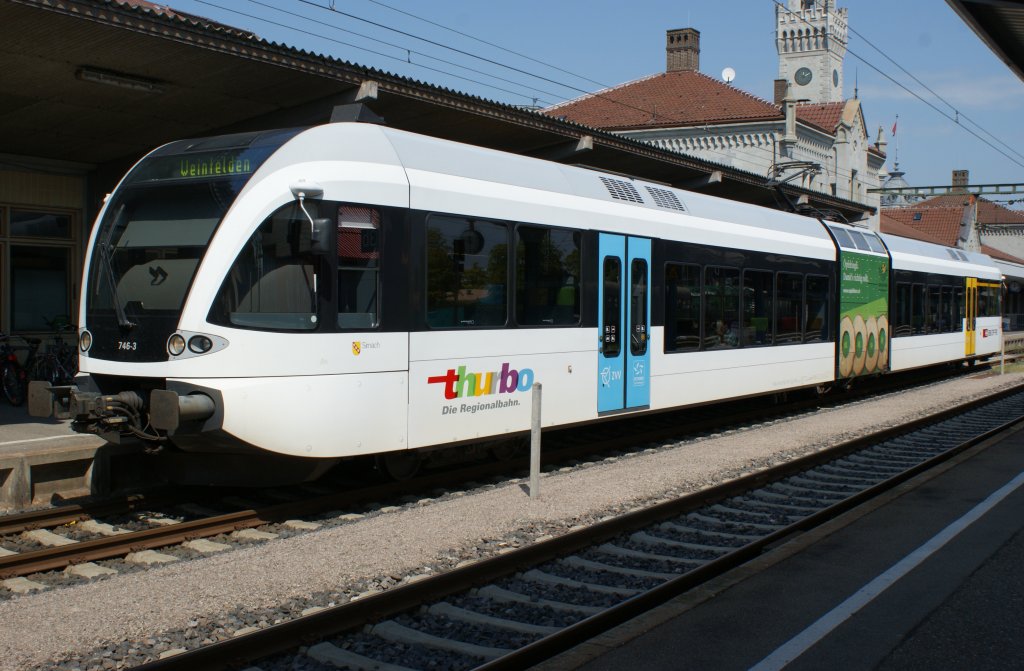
(44, 458)
(928, 577)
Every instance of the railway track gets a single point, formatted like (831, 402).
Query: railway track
(135, 528)
(525, 606)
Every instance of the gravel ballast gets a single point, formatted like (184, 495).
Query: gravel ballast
(152, 611)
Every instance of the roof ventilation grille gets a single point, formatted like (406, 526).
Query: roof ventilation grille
(665, 198)
(622, 190)
(954, 254)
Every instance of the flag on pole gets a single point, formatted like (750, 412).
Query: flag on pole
(894, 125)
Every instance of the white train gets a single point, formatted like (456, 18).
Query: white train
(274, 302)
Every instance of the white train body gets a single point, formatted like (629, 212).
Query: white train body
(700, 286)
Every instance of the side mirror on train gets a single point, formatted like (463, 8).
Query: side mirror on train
(321, 241)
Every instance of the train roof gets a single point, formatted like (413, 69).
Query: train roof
(910, 254)
(420, 152)
(442, 175)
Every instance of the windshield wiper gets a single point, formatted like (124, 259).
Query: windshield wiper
(108, 267)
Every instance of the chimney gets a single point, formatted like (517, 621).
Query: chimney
(780, 90)
(682, 50)
(961, 178)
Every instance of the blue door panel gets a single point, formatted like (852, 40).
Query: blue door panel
(638, 314)
(624, 323)
(611, 292)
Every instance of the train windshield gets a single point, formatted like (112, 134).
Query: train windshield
(156, 229)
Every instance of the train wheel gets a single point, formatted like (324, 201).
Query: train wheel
(400, 465)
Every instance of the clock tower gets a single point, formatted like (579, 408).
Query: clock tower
(810, 36)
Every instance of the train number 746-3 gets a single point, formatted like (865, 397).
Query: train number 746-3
(129, 345)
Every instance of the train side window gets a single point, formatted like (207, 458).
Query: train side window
(873, 242)
(638, 307)
(789, 308)
(682, 307)
(467, 272)
(946, 314)
(988, 300)
(917, 295)
(547, 276)
(842, 238)
(859, 240)
(272, 284)
(611, 322)
(816, 323)
(358, 267)
(959, 308)
(933, 315)
(757, 308)
(721, 307)
(904, 320)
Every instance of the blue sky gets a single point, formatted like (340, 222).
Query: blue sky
(605, 42)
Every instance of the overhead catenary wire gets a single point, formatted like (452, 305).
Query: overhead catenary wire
(958, 114)
(734, 158)
(366, 49)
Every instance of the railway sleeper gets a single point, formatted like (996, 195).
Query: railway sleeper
(644, 538)
(501, 595)
(328, 653)
(780, 507)
(710, 519)
(389, 630)
(742, 538)
(590, 565)
(790, 492)
(750, 506)
(536, 575)
(453, 612)
(617, 551)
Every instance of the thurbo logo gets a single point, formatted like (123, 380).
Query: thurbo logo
(459, 384)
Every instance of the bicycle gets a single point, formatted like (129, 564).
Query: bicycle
(10, 373)
(58, 365)
(62, 368)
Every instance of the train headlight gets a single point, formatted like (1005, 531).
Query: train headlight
(85, 341)
(176, 344)
(200, 344)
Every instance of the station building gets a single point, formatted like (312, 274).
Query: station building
(808, 135)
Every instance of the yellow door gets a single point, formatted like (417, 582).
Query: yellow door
(971, 315)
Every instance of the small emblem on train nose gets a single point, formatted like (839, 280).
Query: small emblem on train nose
(356, 348)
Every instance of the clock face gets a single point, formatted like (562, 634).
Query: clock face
(835, 78)
(804, 76)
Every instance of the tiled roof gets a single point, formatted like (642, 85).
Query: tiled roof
(680, 98)
(823, 115)
(937, 221)
(683, 98)
(988, 211)
(894, 226)
(1000, 254)
(933, 224)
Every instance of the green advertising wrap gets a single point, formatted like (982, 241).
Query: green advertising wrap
(863, 314)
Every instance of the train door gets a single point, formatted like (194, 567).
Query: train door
(971, 315)
(624, 323)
